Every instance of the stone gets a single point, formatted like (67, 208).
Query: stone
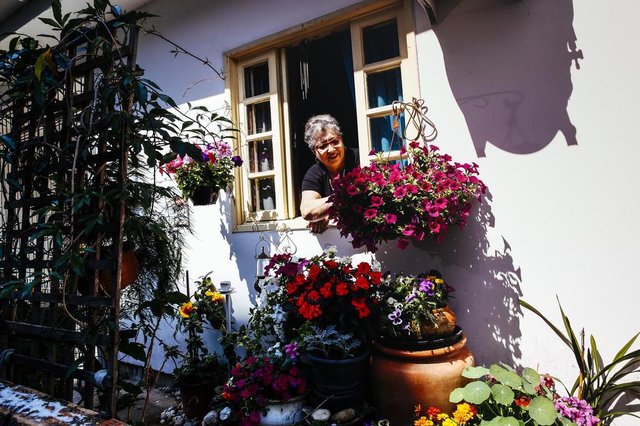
(321, 415)
(344, 416)
(210, 419)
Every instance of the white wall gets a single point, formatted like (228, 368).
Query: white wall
(505, 91)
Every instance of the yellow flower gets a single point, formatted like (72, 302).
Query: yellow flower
(438, 281)
(463, 413)
(442, 416)
(449, 422)
(215, 296)
(186, 309)
(423, 421)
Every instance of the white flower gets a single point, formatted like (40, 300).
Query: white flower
(391, 301)
(331, 250)
(278, 315)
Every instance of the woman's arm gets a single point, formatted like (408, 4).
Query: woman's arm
(313, 207)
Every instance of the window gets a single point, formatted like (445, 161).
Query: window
(352, 66)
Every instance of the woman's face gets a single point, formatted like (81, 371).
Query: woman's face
(329, 150)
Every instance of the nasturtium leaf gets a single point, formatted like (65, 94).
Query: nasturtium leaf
(456, 395)
(508, 421)
(567, 422)
(505, 376)
(529, 389)
(543, 411)
(476, 392)
(531, 375)
(502, 394)
(475, 372)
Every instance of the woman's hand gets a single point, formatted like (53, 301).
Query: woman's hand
(319, 226)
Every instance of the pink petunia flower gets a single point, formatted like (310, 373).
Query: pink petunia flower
(370, 213)
(390, 218)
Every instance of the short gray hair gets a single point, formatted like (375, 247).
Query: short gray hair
(318, 125)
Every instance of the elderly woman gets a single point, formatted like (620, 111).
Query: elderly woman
(323, 135)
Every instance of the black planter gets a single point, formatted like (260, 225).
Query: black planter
(435, 342)
(341, 381)
(204, 196)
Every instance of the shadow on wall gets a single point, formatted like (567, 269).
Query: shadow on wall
(509, 67)
(486, 281)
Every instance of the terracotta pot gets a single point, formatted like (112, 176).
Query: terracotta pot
(129, 271)
(341, 380)
(205, 196)
(402, 379)
(444, 325)
(196, 398)
(283, 412)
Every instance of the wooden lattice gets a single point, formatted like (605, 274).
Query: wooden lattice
(59, 327)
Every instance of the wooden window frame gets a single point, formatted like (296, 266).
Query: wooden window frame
(272, 49)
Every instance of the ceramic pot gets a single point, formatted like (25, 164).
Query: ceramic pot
(283, 412)
(129, 270)
(444, 325)
(341, 380)
(402, 379)
(205, 196)
(196, 398)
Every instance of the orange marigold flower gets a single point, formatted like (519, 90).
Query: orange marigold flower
(186, 309)
(464, 412)
(423, 421)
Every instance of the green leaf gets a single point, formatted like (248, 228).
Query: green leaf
(50, 22)
(505, 376)
(56, 7)
(531, 376)
(508, 421)
(566, 422)
(456, 395)
(475, 372)
(134, 349)
(502, 394)
(476, 392)
(40, 62)
(543, 411)
(625, 348)
(549, 323)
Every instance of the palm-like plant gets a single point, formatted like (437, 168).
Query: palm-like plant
(601, 385)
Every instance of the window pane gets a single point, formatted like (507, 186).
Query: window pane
(382, 135)
(384, 87)
(261, 156)
(256, 80)
(263, 194)
(380, 42)
(259, 118)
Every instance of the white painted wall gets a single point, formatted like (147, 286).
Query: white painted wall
(505, 92)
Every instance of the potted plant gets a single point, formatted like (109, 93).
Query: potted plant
(201, 178)
(413, 308)
(267, 389)
(331, 300)
(500, 395)
(419, 352)
(200, 372)
(413, 201)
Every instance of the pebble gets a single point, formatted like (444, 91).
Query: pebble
(321, 415)
(211, 418)
(344, 416)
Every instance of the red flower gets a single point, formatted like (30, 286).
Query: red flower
(363, 268)
(342, 289)
(325, 290)
(360, 303)
(523, 401)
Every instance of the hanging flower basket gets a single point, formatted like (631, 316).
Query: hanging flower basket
(403, 202)
(204, 196)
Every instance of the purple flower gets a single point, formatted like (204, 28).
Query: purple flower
(237, 161)
(292, 350)
(395, 317)
(427, 286)
(411, 296)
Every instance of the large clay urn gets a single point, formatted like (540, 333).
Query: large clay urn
(402, 379)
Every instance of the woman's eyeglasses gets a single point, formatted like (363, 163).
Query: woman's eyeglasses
(324, 145)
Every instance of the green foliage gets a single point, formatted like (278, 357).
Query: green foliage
(502, 396)
(329, 342)
(600, 384)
